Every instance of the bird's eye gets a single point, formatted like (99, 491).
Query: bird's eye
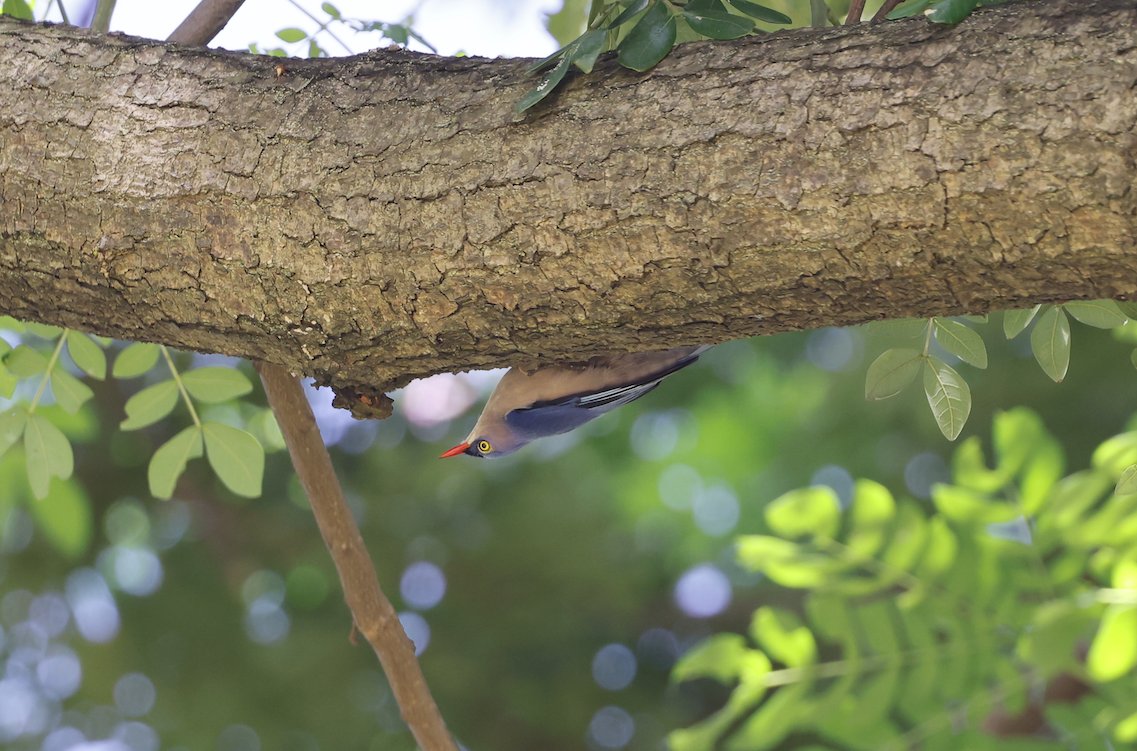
(484, 447)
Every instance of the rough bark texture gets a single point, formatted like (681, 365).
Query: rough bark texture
(383, 217)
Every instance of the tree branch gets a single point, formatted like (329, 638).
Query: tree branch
(384, 217)
(204, 22)
(372, 612)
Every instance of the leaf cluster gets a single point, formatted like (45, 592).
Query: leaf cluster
(643, 32)
(915, 622)
(41, 437)
(947, 391)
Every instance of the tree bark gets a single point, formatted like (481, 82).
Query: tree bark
(372, 219)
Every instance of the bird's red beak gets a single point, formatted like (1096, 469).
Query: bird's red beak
(459, 449)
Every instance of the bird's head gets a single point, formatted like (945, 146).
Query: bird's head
(487, 445)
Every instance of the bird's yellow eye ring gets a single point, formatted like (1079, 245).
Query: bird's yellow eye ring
(484, 447)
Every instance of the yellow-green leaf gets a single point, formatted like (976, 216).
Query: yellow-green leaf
(1102, 314)
(47, 453)
(70, 393)
(12, 422)
(1016, 321)
(891, 372)
(1050, 342)
(805, 511)
(961, 341)
(150, 405)
(236, 457)
(169, 461)
(1113, 652)
(213, 384)
(135, 360)
(948, 396)
(87, 355)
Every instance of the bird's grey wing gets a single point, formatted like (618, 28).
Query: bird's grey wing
(570, 412)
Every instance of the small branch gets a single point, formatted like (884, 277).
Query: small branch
(103, 12)
(856, 8)
(372, 612)
(888, 7)
(204, 22)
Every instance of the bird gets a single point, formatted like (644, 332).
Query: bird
(558, 398)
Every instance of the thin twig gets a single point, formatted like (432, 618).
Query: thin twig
(888, 7)
(373, 613)
(204, 22)
(102, 20)
(856, 8)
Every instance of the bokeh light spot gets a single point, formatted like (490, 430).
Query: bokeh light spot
(838, 479)
(831, 349)
(923, 471)
(613, 667)
(716, 510)
(59, 673)
(611, 727)
(134, 694)
(679, 484)
(422, 585)
(703, 591)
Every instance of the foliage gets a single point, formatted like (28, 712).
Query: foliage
(643, 32)
(308, 42)
(916, 623)
(37, 360)
(948, 393)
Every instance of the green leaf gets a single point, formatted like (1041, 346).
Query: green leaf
(212, 385)
(1102, 314)
(784, 637)
(169, 461)
(1126, 484)
(331, 10)
(25, 362)
(236, 457)
(1128, 307)
(961, 341)
(8, 382)
(712, 20)
(717, 657)
(760, 12)
(1116, 454)
(1050, 342)
(782, 561)
(87, 355)
(805, 511)
(17, 9)
(546, 85)
(891, 372)
(44, 330)
(1113, 652)
(70, 393)
(12, 422)
(64, 517)
(870, 513)
(634, 8)
(588, 48)
(150, 405)
(1016, 321)
(650, 39)
(948, 396)
(47, 453)
(135, 360)
(291, 34)
(952, 11)
(910, 8)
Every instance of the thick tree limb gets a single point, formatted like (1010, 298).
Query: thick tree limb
(387, 216)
